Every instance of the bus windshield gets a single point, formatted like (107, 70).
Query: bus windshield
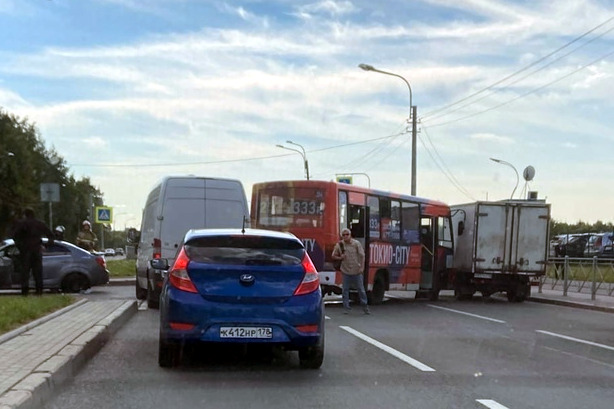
(293, 207)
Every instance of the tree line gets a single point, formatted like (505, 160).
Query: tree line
(25, 164)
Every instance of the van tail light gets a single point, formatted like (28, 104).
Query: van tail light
(178, 275)
(157, 248)
(311, 280)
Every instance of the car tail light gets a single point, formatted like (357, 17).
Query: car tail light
(311, 280)
(157, 248)
(178, 275)
(101, 261)
(181, 326)
(308, 328)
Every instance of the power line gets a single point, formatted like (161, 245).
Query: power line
(150, 165)
(526, 93)
(442, 166)
(543, 67)
(432, 113)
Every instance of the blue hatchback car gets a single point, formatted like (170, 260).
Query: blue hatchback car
(241, 286)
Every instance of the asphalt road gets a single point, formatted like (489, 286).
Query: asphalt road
(407, 354)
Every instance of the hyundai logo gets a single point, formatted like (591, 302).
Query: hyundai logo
(247, 279)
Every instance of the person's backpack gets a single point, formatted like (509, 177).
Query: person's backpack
(337, 263)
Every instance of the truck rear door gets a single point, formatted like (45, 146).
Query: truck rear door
(491, 237)
(530, 238)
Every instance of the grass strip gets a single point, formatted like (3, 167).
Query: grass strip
(121, 268)
(16, 310)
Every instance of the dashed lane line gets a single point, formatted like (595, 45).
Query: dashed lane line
(489, 403)
(554, 334)
(467, 313)
(407, 359)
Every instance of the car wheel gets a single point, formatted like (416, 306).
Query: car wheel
(74, 283)
(153, 302)
(169, 354)
(312, 357)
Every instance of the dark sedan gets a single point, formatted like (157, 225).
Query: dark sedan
(66, 267)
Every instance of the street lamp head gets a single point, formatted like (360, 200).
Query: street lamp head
(290, 142)
(367, 67)
(280, 146)
(495, 160)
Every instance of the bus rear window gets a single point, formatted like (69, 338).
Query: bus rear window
(291, 208)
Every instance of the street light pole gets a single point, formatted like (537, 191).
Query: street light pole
(515, 171)
(301, 152)
(411, 118)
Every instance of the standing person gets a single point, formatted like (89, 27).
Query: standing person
(352, 257)
(27, 235)
(86, 239)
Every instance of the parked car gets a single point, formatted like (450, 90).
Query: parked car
(599, 245)
(241, 286)
(119, 251)
(109, 252)
(574, 246)
(66, 267)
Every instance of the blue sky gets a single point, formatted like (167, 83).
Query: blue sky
(128, 91)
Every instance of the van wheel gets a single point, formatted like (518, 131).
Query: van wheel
(153, 302)
(74, 283)
(141, 293)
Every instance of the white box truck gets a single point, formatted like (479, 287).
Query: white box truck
(175, 205)
(499, 247)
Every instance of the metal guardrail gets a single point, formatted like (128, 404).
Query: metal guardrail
(582, 275)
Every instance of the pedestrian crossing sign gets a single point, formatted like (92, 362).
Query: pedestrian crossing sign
(104, 214)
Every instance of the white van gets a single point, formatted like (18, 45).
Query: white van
(175, 205)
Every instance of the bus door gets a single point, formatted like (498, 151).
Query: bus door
(428, 263)
(360, 232)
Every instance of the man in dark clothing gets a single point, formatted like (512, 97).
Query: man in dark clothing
(27, 235)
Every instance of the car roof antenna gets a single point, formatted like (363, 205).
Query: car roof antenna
(243, 228)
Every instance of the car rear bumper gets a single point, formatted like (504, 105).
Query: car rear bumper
(285, 319)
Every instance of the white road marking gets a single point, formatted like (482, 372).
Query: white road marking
(489, 403)
(416, 364)
(576, 339)
(467, 313)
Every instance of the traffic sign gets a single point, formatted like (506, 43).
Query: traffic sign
(344, 179)
(104, 214)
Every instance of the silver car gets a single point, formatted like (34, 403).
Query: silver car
(66, 267)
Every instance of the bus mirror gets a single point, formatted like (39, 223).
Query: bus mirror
(461, 227)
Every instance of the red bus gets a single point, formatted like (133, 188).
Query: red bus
(407, 240)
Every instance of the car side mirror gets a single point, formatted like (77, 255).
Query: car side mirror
(461, 227)
(159, 264)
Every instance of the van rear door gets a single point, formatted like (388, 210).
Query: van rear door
(225, 205)
(183, 209)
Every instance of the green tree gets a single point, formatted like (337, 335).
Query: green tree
(25, 163)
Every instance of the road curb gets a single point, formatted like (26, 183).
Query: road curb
(573, 304)
(32, 391)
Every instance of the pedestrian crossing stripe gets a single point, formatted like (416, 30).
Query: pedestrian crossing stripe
(104, 214)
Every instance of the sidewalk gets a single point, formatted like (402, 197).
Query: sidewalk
(41, 356)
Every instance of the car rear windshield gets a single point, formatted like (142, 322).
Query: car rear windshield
(245, 250)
